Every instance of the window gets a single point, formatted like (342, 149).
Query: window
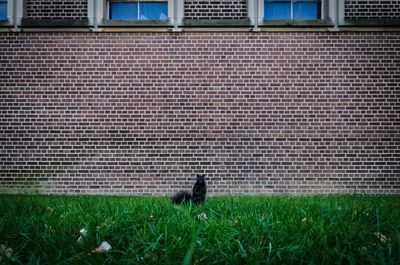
(292, 9)
(138, 10)
(3, 10)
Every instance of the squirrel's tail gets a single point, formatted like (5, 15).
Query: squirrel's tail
(182, 196)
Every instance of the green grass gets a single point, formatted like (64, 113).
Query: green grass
(238, 230)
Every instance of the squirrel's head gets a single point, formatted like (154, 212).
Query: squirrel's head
(200, 178)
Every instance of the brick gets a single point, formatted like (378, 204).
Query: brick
(62, 9)
(372, 9)
(213, 9)
(79, 116)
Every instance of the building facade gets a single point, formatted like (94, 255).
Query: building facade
(137, 97)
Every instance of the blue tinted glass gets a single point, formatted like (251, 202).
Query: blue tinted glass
(120, 10)
(3, 11)
(276, 10)
(305, 11)
(153, 11)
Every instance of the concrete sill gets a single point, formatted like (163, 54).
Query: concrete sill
(27, 22)
(5, 23)
(216, 23)
(296, 23)
(135, 23)
(370, 23)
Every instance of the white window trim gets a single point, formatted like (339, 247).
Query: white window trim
(251, 11)
(98, 10)
(15, 12)
(331, 9)
(10, 11)
(340, 6)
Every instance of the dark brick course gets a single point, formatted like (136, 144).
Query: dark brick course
(47, 9)
(372, 9)
(223, 9)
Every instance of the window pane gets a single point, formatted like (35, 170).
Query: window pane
(305, 10)
(3, 11)
(121, 10)
(276, 10)
(153, 11)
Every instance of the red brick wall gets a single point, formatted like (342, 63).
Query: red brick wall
(372, 9)
(142, 113)
(223, 9)
(47, 9)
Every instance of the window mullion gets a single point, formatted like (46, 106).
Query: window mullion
(291, 9)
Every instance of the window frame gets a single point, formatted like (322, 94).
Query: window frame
(98, 15)
(291, 2)
(330, 10)
(5, 2)
(15, 13)
(108, 10)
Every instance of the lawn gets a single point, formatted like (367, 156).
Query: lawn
(345, 229)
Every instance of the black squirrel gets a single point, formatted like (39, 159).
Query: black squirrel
(198, 195)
